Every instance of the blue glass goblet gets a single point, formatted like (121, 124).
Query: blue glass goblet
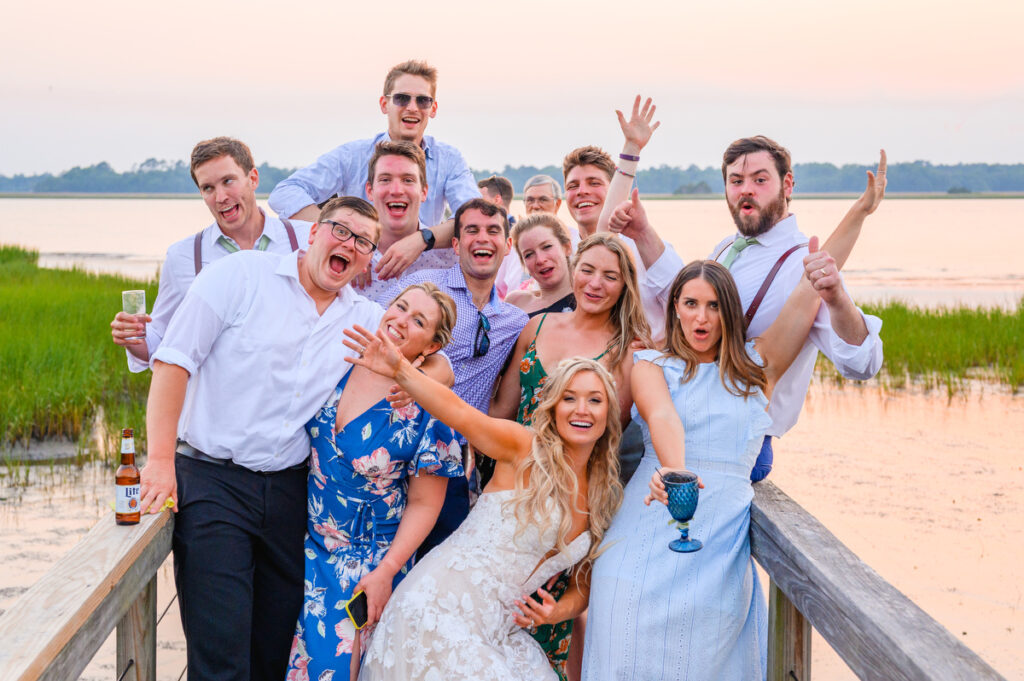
(682, 504)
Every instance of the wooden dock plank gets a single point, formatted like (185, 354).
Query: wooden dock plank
(57, 626)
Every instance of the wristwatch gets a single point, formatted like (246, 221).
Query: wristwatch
(428, 238)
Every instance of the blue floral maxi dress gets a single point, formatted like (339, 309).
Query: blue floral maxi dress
(358, 482)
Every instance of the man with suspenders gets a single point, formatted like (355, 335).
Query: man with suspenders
(765, 258)
(227, 178)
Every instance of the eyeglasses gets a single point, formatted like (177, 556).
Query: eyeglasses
(539, 201)
(482, 342)
(343, 233)
(423, 102)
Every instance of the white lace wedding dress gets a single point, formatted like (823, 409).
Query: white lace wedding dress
(452, 616)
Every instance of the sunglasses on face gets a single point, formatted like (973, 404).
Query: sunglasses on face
(423, 102)
(482, 342)
(343, 233)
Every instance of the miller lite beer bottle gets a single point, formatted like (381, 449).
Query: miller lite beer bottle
(126, 503)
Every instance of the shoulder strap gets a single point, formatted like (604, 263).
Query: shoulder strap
(197, 250)
(543, 317)
(719, 254)
(756, 302)
(291, 234)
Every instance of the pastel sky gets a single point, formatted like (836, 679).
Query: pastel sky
(522, 83)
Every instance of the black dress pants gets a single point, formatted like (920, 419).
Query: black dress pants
(238, 568)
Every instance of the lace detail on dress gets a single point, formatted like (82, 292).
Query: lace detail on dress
(452, 617)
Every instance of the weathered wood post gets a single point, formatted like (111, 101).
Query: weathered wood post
(136, 638)
(789, 639)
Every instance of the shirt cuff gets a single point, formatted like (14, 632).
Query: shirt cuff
(171, 356)
(664, 270)
(859, 362)
(135, 365)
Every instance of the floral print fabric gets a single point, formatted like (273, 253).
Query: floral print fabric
(358, 480)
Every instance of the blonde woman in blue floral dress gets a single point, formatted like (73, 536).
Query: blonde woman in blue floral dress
(376, 484)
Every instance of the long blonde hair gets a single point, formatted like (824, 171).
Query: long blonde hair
(550, 471)
(627, 315)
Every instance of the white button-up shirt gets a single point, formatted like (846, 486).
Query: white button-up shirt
(750, 268)
(261, 360)
(179, 271)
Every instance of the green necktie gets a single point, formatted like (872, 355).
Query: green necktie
(231, 247)
(737, 246)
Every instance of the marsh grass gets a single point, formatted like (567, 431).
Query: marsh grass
(58, 367)
(948, 346)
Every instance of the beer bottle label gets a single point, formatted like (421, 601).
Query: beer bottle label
(127, 445)
(127, 500)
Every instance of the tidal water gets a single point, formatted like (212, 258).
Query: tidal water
(925, 251)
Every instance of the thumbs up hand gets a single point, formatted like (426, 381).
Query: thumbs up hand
(820, 269)
(630, 218)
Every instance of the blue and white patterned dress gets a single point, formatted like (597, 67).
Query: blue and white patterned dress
(656, 614)
(358, 482)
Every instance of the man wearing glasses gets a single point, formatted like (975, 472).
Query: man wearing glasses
(485, 331)
(249, 358)
(409, 103)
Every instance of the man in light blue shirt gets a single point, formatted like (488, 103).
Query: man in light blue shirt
(409, 104)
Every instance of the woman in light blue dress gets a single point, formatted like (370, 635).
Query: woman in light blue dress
(656, 614)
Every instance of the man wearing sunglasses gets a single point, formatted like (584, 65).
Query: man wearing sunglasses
(486, 328)
(409, 103)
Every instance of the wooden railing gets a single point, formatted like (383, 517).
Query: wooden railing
(817, 581)
(108, 580)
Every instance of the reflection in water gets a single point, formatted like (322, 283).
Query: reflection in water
(928, 491)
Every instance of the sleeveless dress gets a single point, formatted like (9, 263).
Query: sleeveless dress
(656, 614)
(553, 638)
(358, 480)
(452, 616)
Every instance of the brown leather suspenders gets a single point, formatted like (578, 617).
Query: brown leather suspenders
(197, 244)
(767, 283)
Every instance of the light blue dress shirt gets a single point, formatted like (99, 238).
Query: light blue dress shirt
(343, 171)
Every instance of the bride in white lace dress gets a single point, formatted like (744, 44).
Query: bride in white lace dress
(462, 612)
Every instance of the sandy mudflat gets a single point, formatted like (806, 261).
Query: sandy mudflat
(930, 493)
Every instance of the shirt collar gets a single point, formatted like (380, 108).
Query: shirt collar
(427, 145)
(457, 280)
(781, 232)
(267, 222)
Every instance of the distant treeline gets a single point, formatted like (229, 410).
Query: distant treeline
(171, 177)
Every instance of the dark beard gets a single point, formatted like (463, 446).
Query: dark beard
(769, 215)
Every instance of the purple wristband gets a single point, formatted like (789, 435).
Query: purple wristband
(627, 157)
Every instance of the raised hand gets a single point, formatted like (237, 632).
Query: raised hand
(820, 269)
(376, 352)
(638, 129)
(875, 191)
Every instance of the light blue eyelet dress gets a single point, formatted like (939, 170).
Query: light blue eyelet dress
(657, 614)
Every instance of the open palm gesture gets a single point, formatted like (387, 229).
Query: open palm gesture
(638, 129)
(376, 352)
